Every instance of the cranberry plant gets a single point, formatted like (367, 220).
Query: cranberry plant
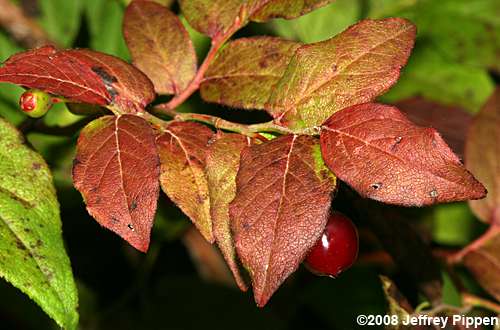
(262, 192)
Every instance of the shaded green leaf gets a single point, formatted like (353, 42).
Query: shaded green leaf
(160, 46)
(353, 67)
(246, 71)
(430, 75)
(106, 38)
(32, 254)
(61, 28)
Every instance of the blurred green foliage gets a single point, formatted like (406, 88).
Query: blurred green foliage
(455, 62)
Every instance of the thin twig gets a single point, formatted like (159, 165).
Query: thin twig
(23, 29)
(475, 301)
(492, 231)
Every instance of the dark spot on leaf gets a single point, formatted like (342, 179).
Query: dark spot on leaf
(245, 226)
(334, 68)
(376, 185)
(114, 220)
(20, 244)
(36, 166)
(133, 205)
(107, 79)
(397, 141)
(130, 227)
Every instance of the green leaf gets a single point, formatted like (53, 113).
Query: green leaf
(160, 46)
(430, 75)
(104, 19)
(32, 254)
(246, 71)
(353, 67)
(61, 19)
(320, 24)
(453, 224)
(475, 41)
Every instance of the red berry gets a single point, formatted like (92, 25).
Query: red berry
(337, 249)
(35, 103)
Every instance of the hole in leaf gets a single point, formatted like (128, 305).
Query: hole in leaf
(376, 185)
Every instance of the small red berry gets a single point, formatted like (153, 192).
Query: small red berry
(337, 249)
(35, 103)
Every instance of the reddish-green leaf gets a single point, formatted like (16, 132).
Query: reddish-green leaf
(482, 156)
(117, 170)
(222, 165)
(246, 71)
(450, 121)
(353, 67)
(215, 17)
(80, 75)
(483, 260)
(183, 151)
(264, 10)
(281, 207)
(381, 154)
(160, 46)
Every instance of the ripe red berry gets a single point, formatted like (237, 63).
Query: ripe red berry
(35, 103)
(337, 249)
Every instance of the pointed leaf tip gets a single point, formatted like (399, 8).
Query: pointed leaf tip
(382, 155)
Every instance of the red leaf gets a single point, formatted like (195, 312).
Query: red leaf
(80, 75)
(281, 207)
(117, 170)
(482, 258)
(183, 150)
(450, 121)
(482, 156)
(381, 154)
(160, 46)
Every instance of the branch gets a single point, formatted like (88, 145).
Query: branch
(492, 231)
(217, 42)
(219, 123)
(23, 29)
